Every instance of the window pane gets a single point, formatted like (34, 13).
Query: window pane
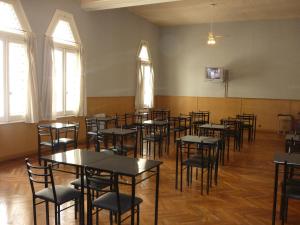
(63, 33)
(144, 53)
(1, 81)
(9, 21)
(58, 80)
(72, 81)
(148, 85)
(18, 74)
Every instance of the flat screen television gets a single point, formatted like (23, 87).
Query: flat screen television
(214, 73)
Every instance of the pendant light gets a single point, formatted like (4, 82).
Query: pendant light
(211, 40)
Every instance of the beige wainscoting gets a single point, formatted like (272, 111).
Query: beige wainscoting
(265, 109)
(20, 139)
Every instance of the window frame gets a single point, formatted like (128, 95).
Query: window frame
(9, 37)
(64, 51)
(67, 17)
(144, 63)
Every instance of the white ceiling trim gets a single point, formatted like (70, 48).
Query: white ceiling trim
(92, 5)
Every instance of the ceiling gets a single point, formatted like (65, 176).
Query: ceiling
(183, 12)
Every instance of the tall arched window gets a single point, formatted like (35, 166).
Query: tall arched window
(145, 78)
(66, 65)
(14, 62)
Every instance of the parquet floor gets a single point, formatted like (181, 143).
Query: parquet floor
(242, 197)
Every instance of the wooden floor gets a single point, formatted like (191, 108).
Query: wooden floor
(243, 195)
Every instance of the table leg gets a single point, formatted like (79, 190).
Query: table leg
(46, 185)
(275, 193)
(156, 196)
(176, 175)
(81, 207)
(136, 144)
(132, 199)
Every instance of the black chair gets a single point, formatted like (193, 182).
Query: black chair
(156, 135)
(112, 200)
(234, 130)
(180, 125)
(204, 157)
(46, 140)
(56, 194)
(91, 131)
(101, 181)
(290, 190)
(248, 124)
(198, 119)
(71, 136)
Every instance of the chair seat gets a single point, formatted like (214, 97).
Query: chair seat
(109, 201)
(92, 133)
(98, 184)
(196, 162)
(152, 137)
(293, 191)
(63, 194)
(66, 140)
(177, 129)
(48, 143)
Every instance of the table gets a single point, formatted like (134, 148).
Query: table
(121, 165)
(279, 159)
(115, 132)
(191, 139)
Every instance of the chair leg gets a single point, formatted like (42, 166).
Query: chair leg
(97, 216)
(191, 175)
(47, 213)
(58, 214)
(110, 218)
(119, 219)
(286, 209)
(181, 177)
(55, 213)
(34, 211)
(207, 180)
(138, 215)
(202, 180)
(188, 176)
(39, 153)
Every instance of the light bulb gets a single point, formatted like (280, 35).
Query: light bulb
(211, 39)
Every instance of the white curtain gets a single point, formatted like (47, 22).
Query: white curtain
(82, 106)
(47, 108)
(32, 110)
(144, 97)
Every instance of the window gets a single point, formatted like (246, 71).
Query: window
(66, 64)
(145, 83)
(13, 62)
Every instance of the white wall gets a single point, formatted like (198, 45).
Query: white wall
(263, 59)
(110, 38)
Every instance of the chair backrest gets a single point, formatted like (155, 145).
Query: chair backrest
(205, 152)
(45, 134)
(201, 117)
(93, 177)
(293, 146)
(40, 175)
(248, 119)
(73, 130)
(90, 124)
